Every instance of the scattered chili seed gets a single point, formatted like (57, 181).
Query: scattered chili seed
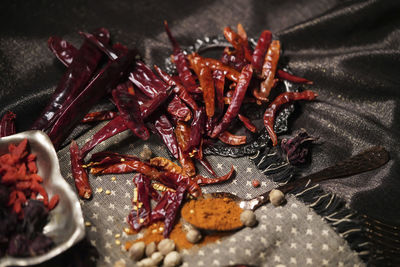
(117, 242)
(113, 178)
(88, 224)
(108, 192)
(99, 190)
(255, 183)
(117, 235)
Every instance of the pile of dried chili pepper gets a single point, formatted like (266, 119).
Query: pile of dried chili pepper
(24, 204)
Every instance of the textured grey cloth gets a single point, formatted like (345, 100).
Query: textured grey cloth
(285, 236)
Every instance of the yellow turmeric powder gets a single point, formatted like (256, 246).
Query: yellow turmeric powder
(214, 214)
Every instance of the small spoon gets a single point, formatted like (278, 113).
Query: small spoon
(368, 160)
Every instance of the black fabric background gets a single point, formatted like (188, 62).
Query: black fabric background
(350, 49)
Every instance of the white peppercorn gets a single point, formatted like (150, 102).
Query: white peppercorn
(146, 153)
(136, 252)
(157, 257)
(276, 197)
(193, 236)
(172, 259)
(146, 262)
(248, 218)
(150, 249)
(166, 246)
(119, 263)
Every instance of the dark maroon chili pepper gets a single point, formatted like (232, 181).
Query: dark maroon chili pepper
(283, 98)
(247, 123)
(182, 65)
(151, 105)
(219, 84)
(247, 50)
(210, 124)
(71, 84)
(166, 132)
(140, 214)
(237, 42)
(129, 110)
(234, 59)
(171, 211)
(104, 82)
(197, 129)
(7, 124)
(62, 49)
(113, 127)
(178, 109)
(107, 158)
(283, 75)
(127, 166)
(200, 180)
(104, 115)
(261, 48)
(158, 212)
(204, 162)
(147, 82)
(179, 88)
(104, 47)
(231, 139)
(175, 180)
(80, 175)
(237, 99)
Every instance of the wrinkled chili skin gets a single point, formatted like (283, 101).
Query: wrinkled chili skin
(104, 115)
(197, 128)
(182, 133)
(261, 48)
(179, 88)
(62, 49)
(292, 78)
(247, 123)
(207, 85)
(181, 63)
(268, 71)
(231, 139)
(127, 166)
(200, 180)
(219, 84)
(71, 84)
(102, 46)
(283, 98)
(234, 59)
(104, 82)
(113, 127)
(80, 175)
(147, 82)
(178, 109)
(129, 110)
(7, 124)
(172, 209)
(141, 216)
(166, 132)
(237, 99)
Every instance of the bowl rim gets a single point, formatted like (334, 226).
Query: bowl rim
(43, 142)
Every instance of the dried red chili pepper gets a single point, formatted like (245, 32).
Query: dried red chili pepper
(268, 71)
(185, 75)
(242, 33)
(62, 49)
(179, 88)
(197, 128)
(238, 42)
(105, 158)
(171, 211)
(166, 132)
(165, 164)
(147, 82)
(102, 46)
(129, 110)
(200, 180)
(7, 124)
(178, 109)
(234, 59)
(104, 82)
(283, 98)
(182, 133)
(236, 103)
(261, 48)
(247, 123)
(96, 116)
(127, 166)
(72, 83)
(53, 202)
(231, 139)
(219, 84)
(292, 78)
(81, 178)
(140, 214)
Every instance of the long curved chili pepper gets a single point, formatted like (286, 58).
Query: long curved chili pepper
(80, 175)
(185, 75)
(62, 49)
(219, 84)
(127, 166)
(283, 98)
(7, 124)
(104, 82)
(178, 109)
(104, 115)
(292, 78)
(268, 71)
(247, 123)
(129, 110)
(72, 83)
(147, 82)
(215, 64)
(237, 99)
(231, 139)
(102, 46)
(200, 180)
(166, 165)
(261, 48)
(175, 180)
(234, 59)
(172, 209)
(197, 128)
(140, 214)
(166, 132)
(105, 158)
(182, 133)
(247, 50)
(206, 164)
(179, 88)
(238, 44)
